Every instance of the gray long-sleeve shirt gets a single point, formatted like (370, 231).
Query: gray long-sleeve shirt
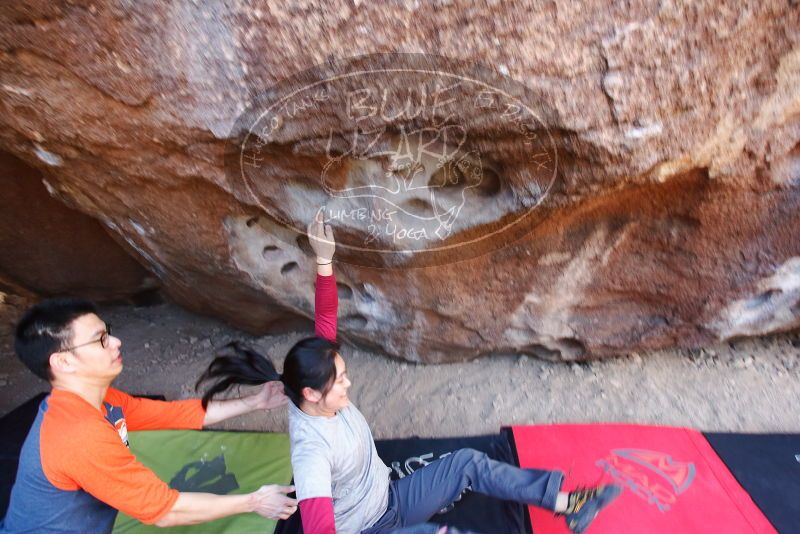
(335, 457)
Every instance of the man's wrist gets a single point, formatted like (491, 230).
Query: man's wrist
(324, 261)
(253, 402)
(250, 503)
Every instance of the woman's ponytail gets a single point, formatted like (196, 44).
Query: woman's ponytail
(311, 363)
(236, 364)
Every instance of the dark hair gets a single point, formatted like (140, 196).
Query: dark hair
(310, 363)
(46, 328)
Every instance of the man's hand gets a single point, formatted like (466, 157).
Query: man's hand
(271, 396)
(271, 502)
(320, 236)
(268, 397)
(193, 508)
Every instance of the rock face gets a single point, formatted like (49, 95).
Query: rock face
(13, 302)
(49, 249)
(612, 178)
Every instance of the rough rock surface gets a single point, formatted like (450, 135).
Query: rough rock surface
(49, 249)
(671, 220)
(13, 301)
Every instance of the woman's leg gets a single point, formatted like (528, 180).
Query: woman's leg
(428, 490)
(430, 528)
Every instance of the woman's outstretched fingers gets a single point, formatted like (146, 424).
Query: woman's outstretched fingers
(320, 237)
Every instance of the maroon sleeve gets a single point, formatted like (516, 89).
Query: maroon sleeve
(317, 515)
(326, 306)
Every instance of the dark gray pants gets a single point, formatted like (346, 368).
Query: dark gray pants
(416, 498)
(430, 528)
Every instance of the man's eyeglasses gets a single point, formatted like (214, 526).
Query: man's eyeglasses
(103, 340)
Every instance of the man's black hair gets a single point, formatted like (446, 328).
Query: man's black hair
(46, 328)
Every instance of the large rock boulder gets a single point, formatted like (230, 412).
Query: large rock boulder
(575, 181)
(49, 249)
(13, 302)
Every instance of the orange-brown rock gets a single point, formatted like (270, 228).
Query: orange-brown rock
(49, 249)
(618, 176)
(14, 300)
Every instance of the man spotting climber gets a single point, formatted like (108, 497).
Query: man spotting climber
(75, 470)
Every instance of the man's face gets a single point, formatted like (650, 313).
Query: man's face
(92, 360)
(336, 398)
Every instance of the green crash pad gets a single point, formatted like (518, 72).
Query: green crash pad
(224, 463)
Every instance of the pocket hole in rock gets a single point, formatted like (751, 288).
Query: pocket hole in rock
(266, 251)
(540, 351)
(419, 207)
(571, 347)
(564, 349)
(365, 295)
(289, 267)
(489, 185)
(345, 291)
(449, 175)
(356, 322)
(482, 180)
(251, 221)
(762, 299)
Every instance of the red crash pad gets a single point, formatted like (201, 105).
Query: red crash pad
(673, 480)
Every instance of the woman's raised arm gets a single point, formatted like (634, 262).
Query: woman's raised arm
(326, 298)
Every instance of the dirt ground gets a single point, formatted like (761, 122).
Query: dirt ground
(751, 385)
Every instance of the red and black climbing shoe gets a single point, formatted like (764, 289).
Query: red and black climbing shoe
(584, 504)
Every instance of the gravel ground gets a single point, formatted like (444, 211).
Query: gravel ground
(750, 385)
